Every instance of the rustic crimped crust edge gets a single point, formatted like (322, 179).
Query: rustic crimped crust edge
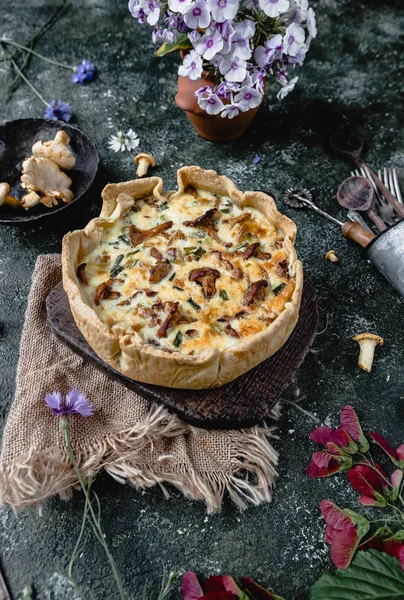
(127, 353)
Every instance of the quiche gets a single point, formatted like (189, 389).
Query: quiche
(185, 289)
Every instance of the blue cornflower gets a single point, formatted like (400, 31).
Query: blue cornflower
(84, 72)
(75, 403)
(256, 159)
(58, 111)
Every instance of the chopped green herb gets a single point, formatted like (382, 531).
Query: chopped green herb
(172, 277)
(176, 287)
(225, 210)
(132, 252)
(124, 238)
(164, 206)
(132, 263)
(224, 295)
(116, 269)
(199, 252)
(189, 249)
(248, 265)
(277, 290)
(178, 339)
(216, 328)
(242, 246)
(193, 303)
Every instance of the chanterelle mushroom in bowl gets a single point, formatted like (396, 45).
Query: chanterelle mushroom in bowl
(185, 289)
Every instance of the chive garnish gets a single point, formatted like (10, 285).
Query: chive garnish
(277, 290)
(176, 287)
(225, 210)
(178, 339)
(116, 269)
(224, 295)
(133, 252)
(216, 328)
(189, 249)
(172, 277)
(242, 246)
(197, 251)
(193, 303)
(124, 238)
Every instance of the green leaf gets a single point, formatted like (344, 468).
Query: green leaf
(372, 575)
(182, 43)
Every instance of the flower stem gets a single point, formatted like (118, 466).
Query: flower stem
(64, 424)
(31, 51)
(21, 74)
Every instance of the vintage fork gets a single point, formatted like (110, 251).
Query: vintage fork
(391, 182)
(384, 209)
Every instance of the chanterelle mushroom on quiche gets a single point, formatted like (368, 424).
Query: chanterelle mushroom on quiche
(56, 150)
(43, 175)
(172, 288)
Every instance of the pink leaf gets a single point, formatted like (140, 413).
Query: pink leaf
(343, 547)
(219, 595)
(384, 444)
(255, 590)
(214, 583)
(350, 422)
(341, 438)
(323, 465)
(396, 478)
(190, 587)
(367, 480)
(367, 501)
(400, 452)
(321, 435)
(334, 449)
(334, 516)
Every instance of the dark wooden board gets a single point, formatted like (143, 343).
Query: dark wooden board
(242, 403)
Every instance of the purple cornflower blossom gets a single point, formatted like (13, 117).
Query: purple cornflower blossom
(223, 10)
(58, 111)
(240, 39)
(211, 103)
(248, 98)
(191, 66)
(272, 50)
(84, 72)
(293, 39)
(233, 68)
(274, 8)
(209, 44)
(256, 159)
(197, 15)
(75, 403)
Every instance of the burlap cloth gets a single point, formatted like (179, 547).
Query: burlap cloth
(132, 439)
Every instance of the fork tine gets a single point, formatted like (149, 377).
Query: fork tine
(385, 178)
(391, 182)
(397, 187)
(378, 195)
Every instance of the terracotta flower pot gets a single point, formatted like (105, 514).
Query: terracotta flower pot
(214, 128)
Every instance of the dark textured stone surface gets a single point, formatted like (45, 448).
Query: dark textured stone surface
(241, 403)
(353, 79)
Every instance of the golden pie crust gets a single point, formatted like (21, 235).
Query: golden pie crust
(126, 350)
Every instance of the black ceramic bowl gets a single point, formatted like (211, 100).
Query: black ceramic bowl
(16, 141)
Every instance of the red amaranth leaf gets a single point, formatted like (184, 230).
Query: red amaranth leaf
(350, 422)
(190, 587)
(367, 481)
(323, 464)
(321, 435)
(342, 439)
(384, 444)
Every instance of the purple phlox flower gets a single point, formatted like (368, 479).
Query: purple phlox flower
(58, 111)
(197, 15)
(226, 88)
(194, 36)
(137, 11)
(311, 23)
(258, 79)
(274, 8)
(170, 36)
(191, 66)
(209, 44)
(248, 98)
(84, 72)
(180, 6)
(233, 68)
(300, 56)
(157, 36)
(75, 403)
(272, 50)
(202, 91)
(231, 110)
(284, 91)
(256, 159)
(226, 30)
(252, 5)
(240, 40)
(302, 4)
(282, 76)
(293, 39)
(151, 9)
(211, 103)
(223, 10)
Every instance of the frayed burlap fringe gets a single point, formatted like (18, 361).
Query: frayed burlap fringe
(33, 478)
(133, 440)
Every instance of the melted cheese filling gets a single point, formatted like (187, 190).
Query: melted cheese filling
(133, 304)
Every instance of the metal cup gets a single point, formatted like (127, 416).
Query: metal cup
(386, 253)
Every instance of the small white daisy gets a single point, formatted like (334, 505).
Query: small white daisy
(123, 141)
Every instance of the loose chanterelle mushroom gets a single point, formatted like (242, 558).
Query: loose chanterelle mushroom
(5, 198)
(56, 150)
(143, 162)
(331, 256)
(43, 175)
(367, 343)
